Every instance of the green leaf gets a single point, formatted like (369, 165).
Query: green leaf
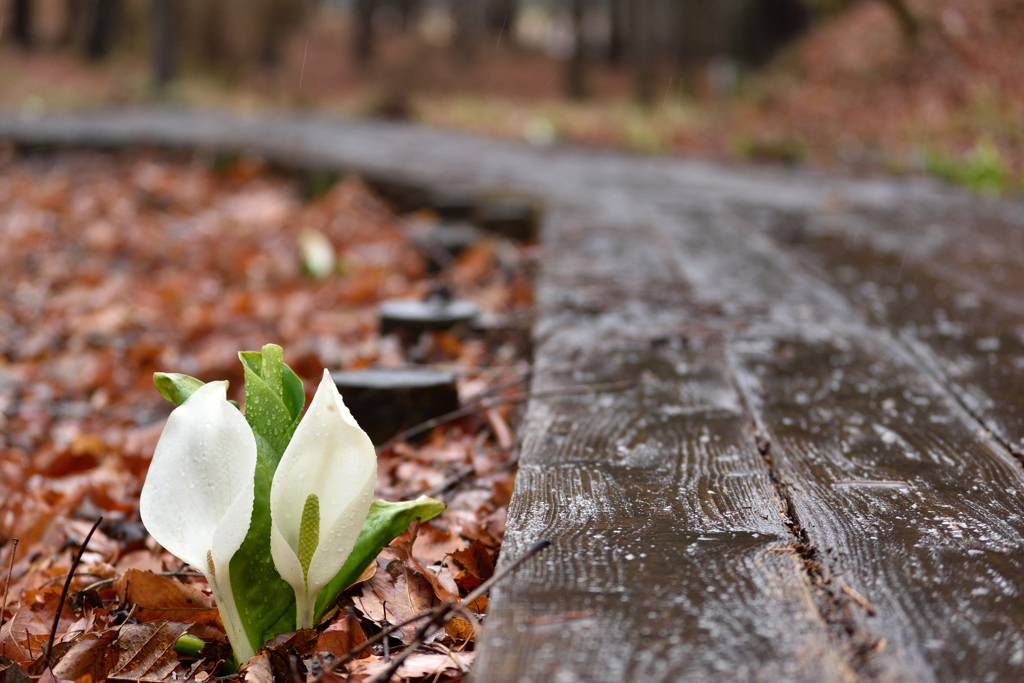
(175, 387)
(274, 399)
(262, 597)
(384, 522)
(266, 409)
(292, 392)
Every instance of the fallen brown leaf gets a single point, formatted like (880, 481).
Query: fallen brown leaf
(286, 657)
(442, 584)
(48, 677)
(258, 670)
(435, 542)
(23, 635)
(476, 560)
(395, 598)
(459, 629)
(161, 598)
(146, 652)
(418, 665)
(342, 635)
(92, 655)
(11, 672)
(502, 432)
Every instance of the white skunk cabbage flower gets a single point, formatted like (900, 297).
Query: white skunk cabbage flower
(198, 496)
(320, 497)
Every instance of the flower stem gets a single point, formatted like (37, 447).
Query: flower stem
(229, 615)
(304, 609)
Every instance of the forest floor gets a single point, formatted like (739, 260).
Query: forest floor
(854, 93)
(115, 267)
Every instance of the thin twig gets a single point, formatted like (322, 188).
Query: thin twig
(67, 586)
(64, 577)
(387, 649)
(449, 483)
(105, 582)
(293, 664)
(479, 404)
(10, 571)
(449, 609)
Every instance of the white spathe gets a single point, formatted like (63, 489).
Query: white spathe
(331, 457)
(198, 496)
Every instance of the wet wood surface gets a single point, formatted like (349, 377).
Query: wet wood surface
(815, 473)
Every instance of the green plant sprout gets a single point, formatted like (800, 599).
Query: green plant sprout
(983, 169)
(273, 507)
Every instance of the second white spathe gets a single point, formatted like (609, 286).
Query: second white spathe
(329, 457)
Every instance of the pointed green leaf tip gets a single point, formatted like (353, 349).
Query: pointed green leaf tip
(309, 533)
(174, 386)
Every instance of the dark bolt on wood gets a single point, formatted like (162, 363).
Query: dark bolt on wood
(455, 207)
(410, 318)
(385, 401)
(403, 197)
(517, 218)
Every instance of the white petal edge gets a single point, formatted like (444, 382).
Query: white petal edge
(330, 456)
(198, 496)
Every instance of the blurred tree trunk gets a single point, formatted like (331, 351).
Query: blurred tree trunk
(686, 48)
(905, 18)
(22, 23)
(410, 12)
(698, 33)
(617, 30)
(75, 15)
(165, 42)
(274, 23)
(501, 15)
(363, 25)
(762, 27)
(641, 23)
(102, 29)
(211, 42)
(466, 25)
(575, 66)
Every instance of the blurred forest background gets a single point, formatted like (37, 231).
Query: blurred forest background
(899, 86)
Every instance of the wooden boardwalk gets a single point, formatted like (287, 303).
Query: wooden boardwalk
(817, 473)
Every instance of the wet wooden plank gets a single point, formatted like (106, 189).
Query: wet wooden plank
(911, 515)
(671, 555)
(948, 282)
(915, 517)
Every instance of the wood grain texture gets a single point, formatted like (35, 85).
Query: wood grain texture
(667, 532)
(948, 282)
(917, 518)
(911, 514)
